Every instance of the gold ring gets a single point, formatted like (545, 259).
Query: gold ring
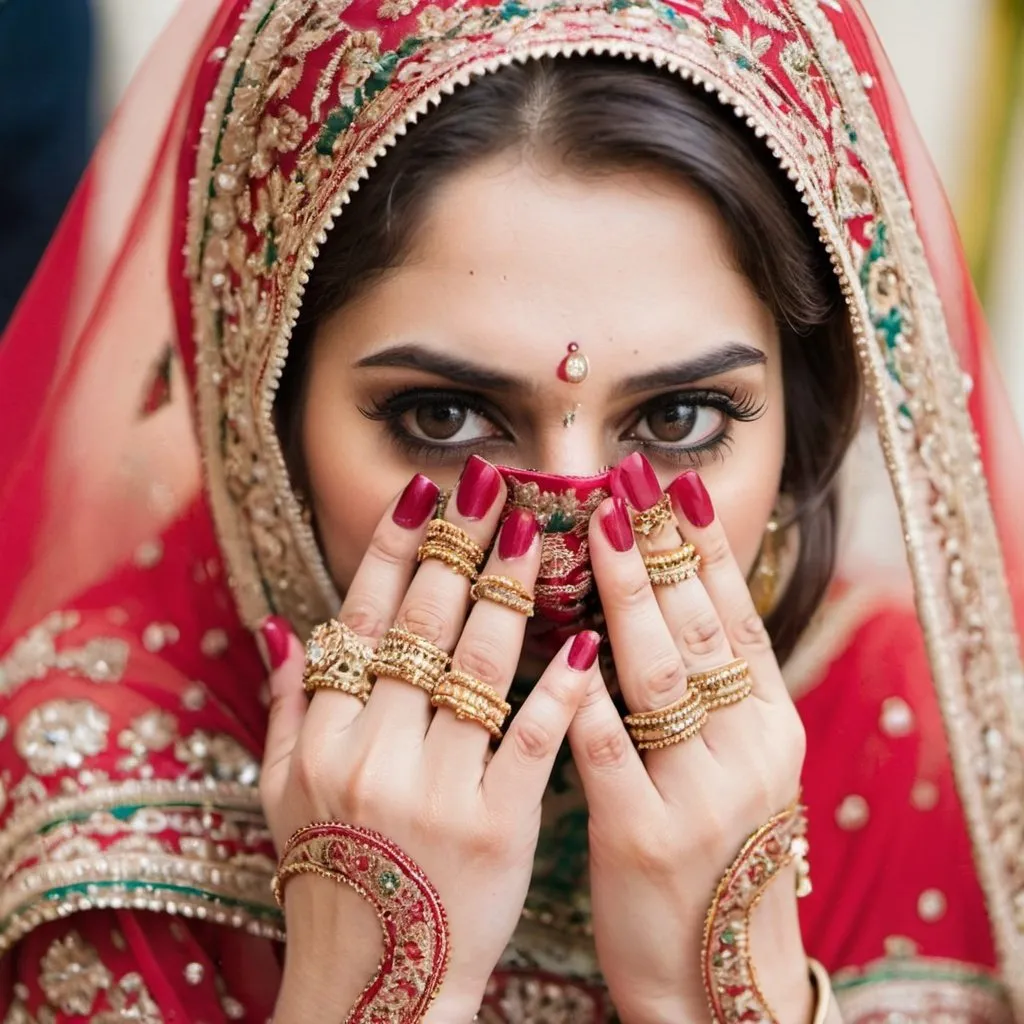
(505, 591)
(409, 658)
(681, 721)
(669, 567)
(337, 659)
(445, 542)
(723, 686)
(651, 521)
(471, 700)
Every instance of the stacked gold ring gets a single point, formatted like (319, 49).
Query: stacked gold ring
(677, 723)
(407, 657)
(450, 544)
(505, 591)
(723, 686)
(471, 700)
(337, 659)
(669, 567)
(653, 519)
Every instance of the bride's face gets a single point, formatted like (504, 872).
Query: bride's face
(457, 351)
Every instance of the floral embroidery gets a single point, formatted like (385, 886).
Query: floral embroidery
(101, 659)
(154, 730)
(392, 10)
(71, 975)
(130, 1000)
(217, 756)
(61, 734)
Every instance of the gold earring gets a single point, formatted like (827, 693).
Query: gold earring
(764, 577)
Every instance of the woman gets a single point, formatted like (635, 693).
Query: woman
(574, 261)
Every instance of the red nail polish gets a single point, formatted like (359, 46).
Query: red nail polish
(477, 489)
(418, 501)
(617, 525)
(517, 534)
(690, 494)
(583, 652)
(639, 481)
(275, 632)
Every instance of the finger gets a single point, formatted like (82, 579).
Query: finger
(516, 777)
(727, 587)
(614, 779)
(692, 617)
(488, 649)
(377, 589)
(434, 607)
(284, 655)
(651, 672)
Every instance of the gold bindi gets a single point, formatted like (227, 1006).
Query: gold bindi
(575, 367)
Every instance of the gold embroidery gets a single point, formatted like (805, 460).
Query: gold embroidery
(61, 734)
(71, 975)
(130, 1000)
(217, 756)
(101, 659)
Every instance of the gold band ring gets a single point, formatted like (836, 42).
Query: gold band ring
(409, 658)
(505, 591)
(471, 700)
(337, 659)
(652, 520)
(723, 686)
(445, 542)
(669, 567)
(681, 721)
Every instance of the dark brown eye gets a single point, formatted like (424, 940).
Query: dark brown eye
(672, 423)
(440, 421)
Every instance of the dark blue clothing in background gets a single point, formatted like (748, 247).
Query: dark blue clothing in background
(45, 128)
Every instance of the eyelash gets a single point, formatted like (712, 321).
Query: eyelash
(738, 405)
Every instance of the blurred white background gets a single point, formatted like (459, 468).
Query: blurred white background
(942, 51)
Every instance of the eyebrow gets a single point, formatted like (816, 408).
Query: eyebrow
(732, 356)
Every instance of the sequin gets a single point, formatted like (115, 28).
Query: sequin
(931, 905)
(924, 795)
(232, 1008)
(194, 697)
(158, 635)
(148, 554)
(72, 975)
(61, 734)
(214, 643)
(899, 946)
(853, 813)
(897, 718)
(194, 973)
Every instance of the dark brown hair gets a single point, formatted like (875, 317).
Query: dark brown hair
(600, 115)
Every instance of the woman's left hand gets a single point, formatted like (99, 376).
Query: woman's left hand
(666, 824)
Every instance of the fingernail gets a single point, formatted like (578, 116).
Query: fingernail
(583, 652)
(690, 494)
(275, 632)
(418, 501)
(477, 489)
(617, 526)
(517, 534)
(639, 481)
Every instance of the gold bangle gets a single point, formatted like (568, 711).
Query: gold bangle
(337, 659)
(651, 521)
(730, 982)
(409, 658)
(505, 591)
(473, 700)
(445, 542)
(822, 991)
(723, 686)
(669, 567)
(676, 723)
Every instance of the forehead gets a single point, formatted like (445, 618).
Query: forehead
(519, 255)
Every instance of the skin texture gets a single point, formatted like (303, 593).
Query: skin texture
(509, 266)
(505, 271)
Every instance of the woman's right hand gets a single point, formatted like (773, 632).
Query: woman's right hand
(423, 779)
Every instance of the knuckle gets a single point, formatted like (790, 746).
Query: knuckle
(750, 632)
(532, 741)
(665, 676)
(607, 749)
(482, 657)
(652, 857)
(714, 549)
(631, 591)
(703, 633)
(364, 619)
(427, 620)
(307, 775)
(390, 546)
